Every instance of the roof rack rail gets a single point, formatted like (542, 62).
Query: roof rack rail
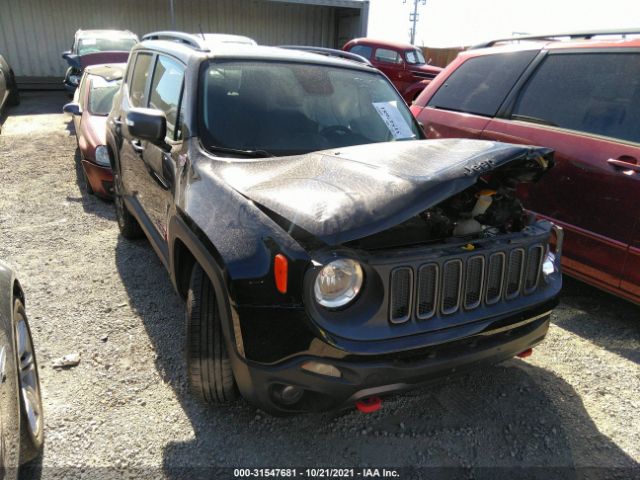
(329, 52)
(584, 35)
(186, 38)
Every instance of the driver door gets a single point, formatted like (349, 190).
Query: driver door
(156, 185)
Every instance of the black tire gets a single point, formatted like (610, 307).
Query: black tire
(31, 443)
(14, 96)
(129, 226)
(208, 363)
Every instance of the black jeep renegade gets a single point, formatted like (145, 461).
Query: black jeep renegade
(326, 251)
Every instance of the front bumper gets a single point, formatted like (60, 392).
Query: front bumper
(364, 376)
(100, 178)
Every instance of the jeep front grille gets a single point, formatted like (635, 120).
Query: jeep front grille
(495, 277)
(401, 287)
(514, 273)
(449, 285)
(427, 297)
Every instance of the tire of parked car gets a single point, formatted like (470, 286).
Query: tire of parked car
(208, 362)
(14, 97)
(129, 226)
(31, 423)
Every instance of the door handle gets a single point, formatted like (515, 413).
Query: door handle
(137, 145)
(624, 163)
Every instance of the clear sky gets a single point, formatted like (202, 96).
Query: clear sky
(452, 23)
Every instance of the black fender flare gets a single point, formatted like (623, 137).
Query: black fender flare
(179, 230)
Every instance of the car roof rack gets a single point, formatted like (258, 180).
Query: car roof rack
(187, 38)
(580, 35)
(329, 52)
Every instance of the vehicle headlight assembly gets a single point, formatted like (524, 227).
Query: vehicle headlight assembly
(338, 283)
(102, 156)
(549, 264)
(74, 79)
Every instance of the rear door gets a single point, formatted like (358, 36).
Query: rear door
(585, 106)
(467, 99)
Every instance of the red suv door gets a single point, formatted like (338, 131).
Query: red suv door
(584, 105)
(462, 103)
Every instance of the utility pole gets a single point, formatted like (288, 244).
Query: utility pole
(172, 13)
(413, 18)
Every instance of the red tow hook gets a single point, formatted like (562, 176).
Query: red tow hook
(527, 353)
(369, 405)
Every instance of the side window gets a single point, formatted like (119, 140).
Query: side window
(166, 89)
(595, 93)
(481, 84)
(137, 91)
(388, 56)
(362, 50)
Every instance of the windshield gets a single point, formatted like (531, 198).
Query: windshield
(415, 57)
(289, 108)
(101, 95)
(93, 45)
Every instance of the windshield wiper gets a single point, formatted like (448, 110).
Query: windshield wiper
(527, 118)
(237, 151)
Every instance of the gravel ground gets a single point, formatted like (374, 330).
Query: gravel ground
(125, 411)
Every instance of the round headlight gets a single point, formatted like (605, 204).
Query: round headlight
(102, 156)
(338, 283)
(549, 264)
(74, 79)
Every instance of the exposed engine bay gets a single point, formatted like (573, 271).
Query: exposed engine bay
(486, 209)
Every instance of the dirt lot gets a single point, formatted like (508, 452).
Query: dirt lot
(126, 410)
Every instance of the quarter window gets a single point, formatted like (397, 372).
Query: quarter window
(388, 56)
(137, 89)
(596, 93)
(166, 89)
(481, 84)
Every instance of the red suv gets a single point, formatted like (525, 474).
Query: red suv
(578, 94)
(402, 63)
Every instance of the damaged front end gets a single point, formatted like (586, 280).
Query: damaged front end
(477, 255)
(421, 262)
(410, 238)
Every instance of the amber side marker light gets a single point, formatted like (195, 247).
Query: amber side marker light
(281, 272)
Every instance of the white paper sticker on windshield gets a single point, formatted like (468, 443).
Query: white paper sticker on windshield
(392, 117)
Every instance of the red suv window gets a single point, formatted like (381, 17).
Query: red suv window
(480, 84)
(593, 93)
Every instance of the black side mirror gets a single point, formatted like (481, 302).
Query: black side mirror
(65, 55)
(147, 124)
(73, 108)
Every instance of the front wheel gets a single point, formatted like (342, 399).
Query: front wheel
(208, 362)
(129, 226)
(31, 419)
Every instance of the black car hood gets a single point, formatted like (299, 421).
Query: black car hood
(344, 194)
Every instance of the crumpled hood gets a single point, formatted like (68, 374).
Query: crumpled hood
(344, 194)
